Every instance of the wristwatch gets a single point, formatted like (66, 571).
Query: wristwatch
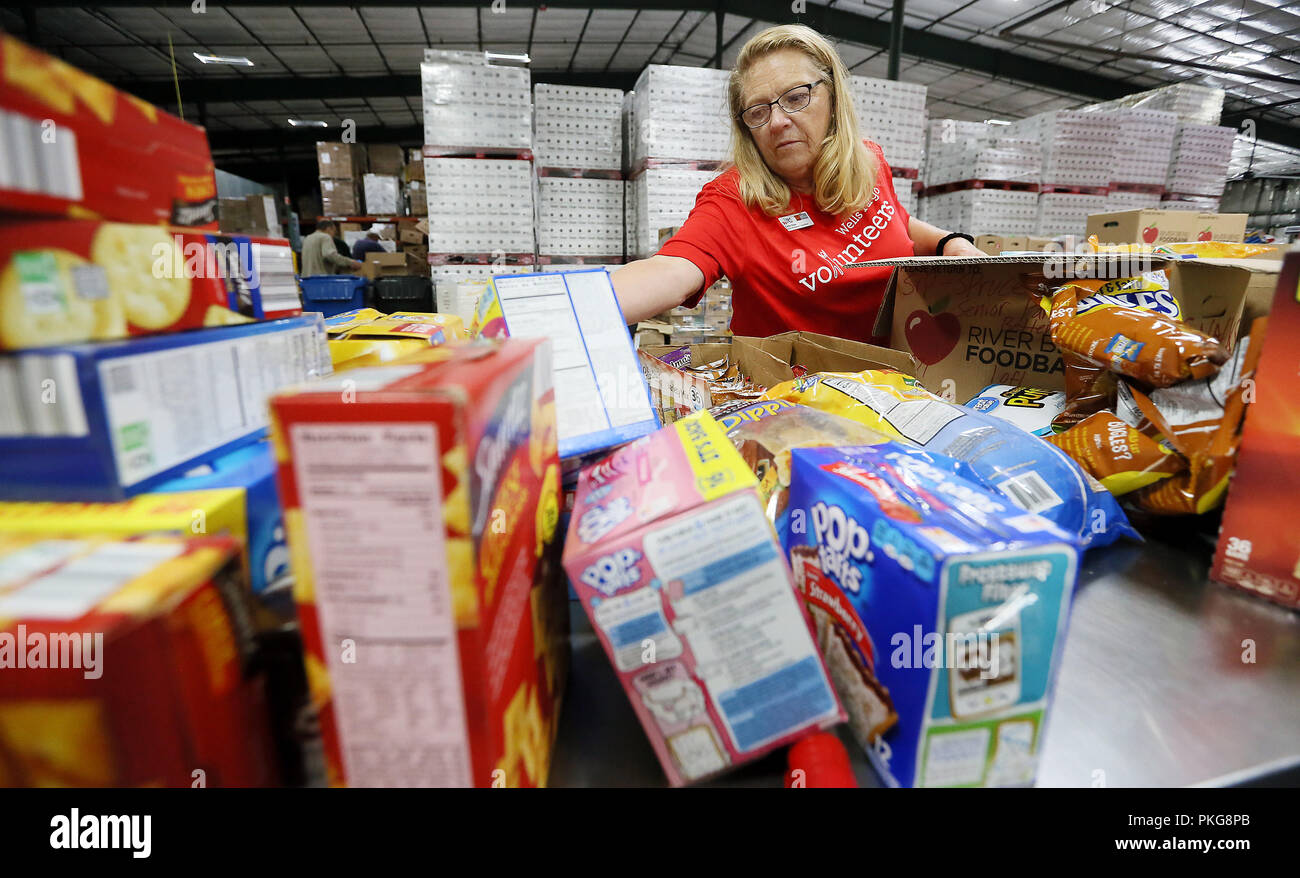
(943, 242)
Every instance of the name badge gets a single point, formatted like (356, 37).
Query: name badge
(794, 221)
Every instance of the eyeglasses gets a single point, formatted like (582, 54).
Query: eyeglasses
(796, 99)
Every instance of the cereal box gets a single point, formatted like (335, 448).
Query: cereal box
(940, 608)
(67, 281)
(121, 666)
(109, 420)
(1259, 545)
(421, 501)
(682, 576)
(73, 145)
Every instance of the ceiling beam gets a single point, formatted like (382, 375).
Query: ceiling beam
(268, 138)
(313, 88)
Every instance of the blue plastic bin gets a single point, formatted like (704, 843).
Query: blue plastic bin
(332, 294)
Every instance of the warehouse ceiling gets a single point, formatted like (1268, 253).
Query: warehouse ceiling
(979, 59)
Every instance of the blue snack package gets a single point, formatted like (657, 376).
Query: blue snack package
(1034, 474)
(940, 608)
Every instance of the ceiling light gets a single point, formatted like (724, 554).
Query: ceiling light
(308, 123)
(1239, 58)
(996, 122)
(223, 59)
(509, 59)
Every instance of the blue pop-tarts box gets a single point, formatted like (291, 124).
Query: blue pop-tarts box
(940, 608)
(109, 420)
(252, 470)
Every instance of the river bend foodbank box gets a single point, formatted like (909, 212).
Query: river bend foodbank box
(120, 665)
(939, 606)
(421, 501)
(674, 561)
(73, 145)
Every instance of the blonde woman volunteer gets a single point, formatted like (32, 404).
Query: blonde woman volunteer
(805, 196)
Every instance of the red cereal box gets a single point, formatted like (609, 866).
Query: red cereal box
(421, 499)
(1259, 548)
(122, 665)
(75, 146)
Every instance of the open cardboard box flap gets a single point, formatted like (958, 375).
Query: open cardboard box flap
(971, 322)
(769, 361)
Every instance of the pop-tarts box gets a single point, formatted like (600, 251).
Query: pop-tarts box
(251, 470)
(1029, 408)
(684, 581)
(940, 608)
(111, 420)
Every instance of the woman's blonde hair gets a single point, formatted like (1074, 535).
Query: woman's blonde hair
(845, 172)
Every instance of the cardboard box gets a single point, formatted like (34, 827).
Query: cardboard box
(67, 281)
(445, 468)
(1151, 226)
(341, 197)
(111, 420)
(341, 161)
(157, 689)
(1260, 289)
(1254, 553)
(681, 574)
(387, 159)
(385, 265)
(601, 399)
(993, 245)
(408, 234)
(414, 170)
(233, 215)
(112, 156)
(943, 648)
(970, 323)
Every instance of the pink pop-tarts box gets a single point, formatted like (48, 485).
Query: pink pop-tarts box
(685, 583)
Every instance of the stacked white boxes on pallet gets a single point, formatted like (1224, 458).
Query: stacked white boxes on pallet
(893, 115)
(678, 133)
(478, 137)
(1078, 154)
(576, 127)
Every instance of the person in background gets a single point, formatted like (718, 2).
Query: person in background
(805, 196)
(321, 256)
(368, 244)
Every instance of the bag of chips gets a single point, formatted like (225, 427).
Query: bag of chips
(766, 432)
(1116, 454)
(1036, 476)
(1202, 421)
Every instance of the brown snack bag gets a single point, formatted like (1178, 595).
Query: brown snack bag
(1203, 429)
(1116, 454)
(1154, 349)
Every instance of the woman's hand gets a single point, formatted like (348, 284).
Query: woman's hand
(651, 286)
(961, 248)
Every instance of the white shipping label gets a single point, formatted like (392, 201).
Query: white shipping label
(165, 407)
(372, 499)
(734, 604)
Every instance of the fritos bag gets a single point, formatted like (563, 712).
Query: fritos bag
(1129, 327)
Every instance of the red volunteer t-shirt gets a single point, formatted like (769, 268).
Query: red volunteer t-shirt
(784, 279)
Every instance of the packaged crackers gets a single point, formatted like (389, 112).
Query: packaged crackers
(75, 146)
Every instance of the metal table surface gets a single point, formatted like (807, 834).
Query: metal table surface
(1152, 690)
